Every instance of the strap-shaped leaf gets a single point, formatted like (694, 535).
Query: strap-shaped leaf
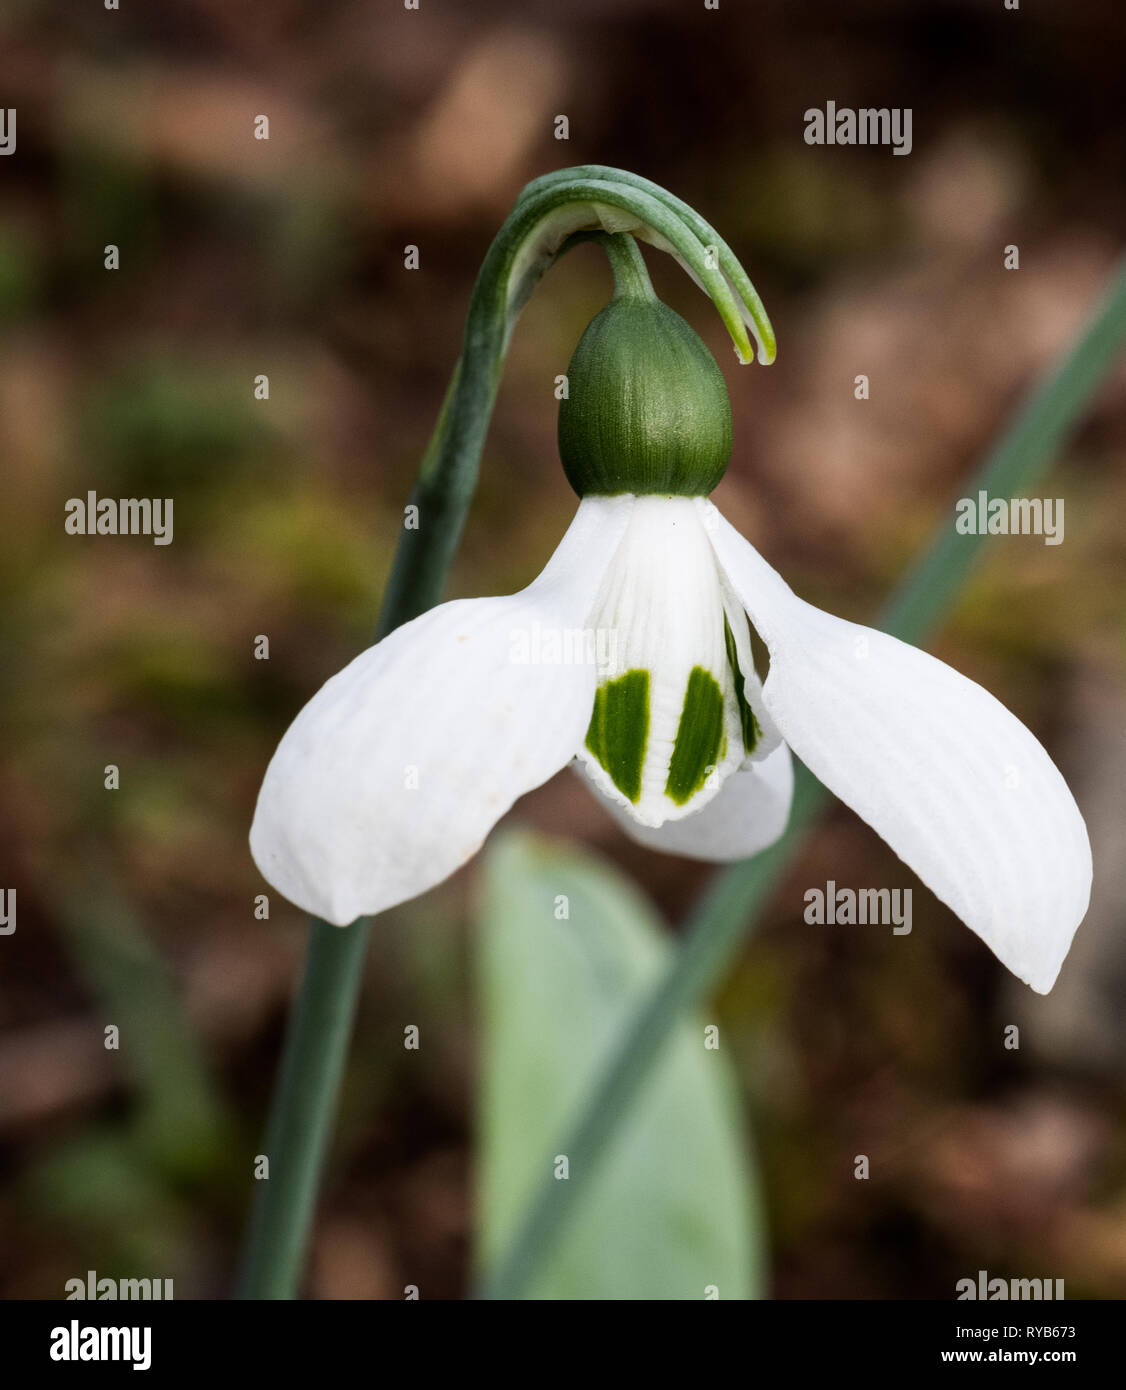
(672, 1209)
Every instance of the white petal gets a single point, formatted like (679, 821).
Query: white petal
(955, 784)
(747, 814)
(661, 612)
(395, 771)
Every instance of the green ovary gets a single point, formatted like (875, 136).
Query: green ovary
(619, 730)
(699, 737)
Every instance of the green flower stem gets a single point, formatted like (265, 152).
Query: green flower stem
(545, 218)
(631, 279)
(719, 925)
(316, 1049)
(546, 221)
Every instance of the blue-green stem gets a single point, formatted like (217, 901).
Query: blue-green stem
(549, 218)
(720, 924)
(316, 1049)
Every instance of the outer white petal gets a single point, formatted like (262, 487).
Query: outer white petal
(748, 813)
(395, 771)
(955, 784)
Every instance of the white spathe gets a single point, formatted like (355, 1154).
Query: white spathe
(393, 774)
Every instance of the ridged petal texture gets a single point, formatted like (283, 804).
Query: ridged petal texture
(393, 774)
(954, 783)
(747, 814)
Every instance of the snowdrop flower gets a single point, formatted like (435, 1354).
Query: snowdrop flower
(630, 655)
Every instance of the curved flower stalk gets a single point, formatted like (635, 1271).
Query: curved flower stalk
(550, 218)
(317, 1035)
(551, 215)
(394, 773)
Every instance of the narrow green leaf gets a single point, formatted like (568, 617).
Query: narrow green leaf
(728, 911)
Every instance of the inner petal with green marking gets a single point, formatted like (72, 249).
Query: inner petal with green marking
(670, 720)
(619, 730)
(699, 737)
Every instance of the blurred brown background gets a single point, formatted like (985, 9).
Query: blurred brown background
(285, 257)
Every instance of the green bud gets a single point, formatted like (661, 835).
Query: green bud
(647, 408)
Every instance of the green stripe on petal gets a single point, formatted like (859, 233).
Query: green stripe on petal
(698, 736)
(619, 730)
(751, 731)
